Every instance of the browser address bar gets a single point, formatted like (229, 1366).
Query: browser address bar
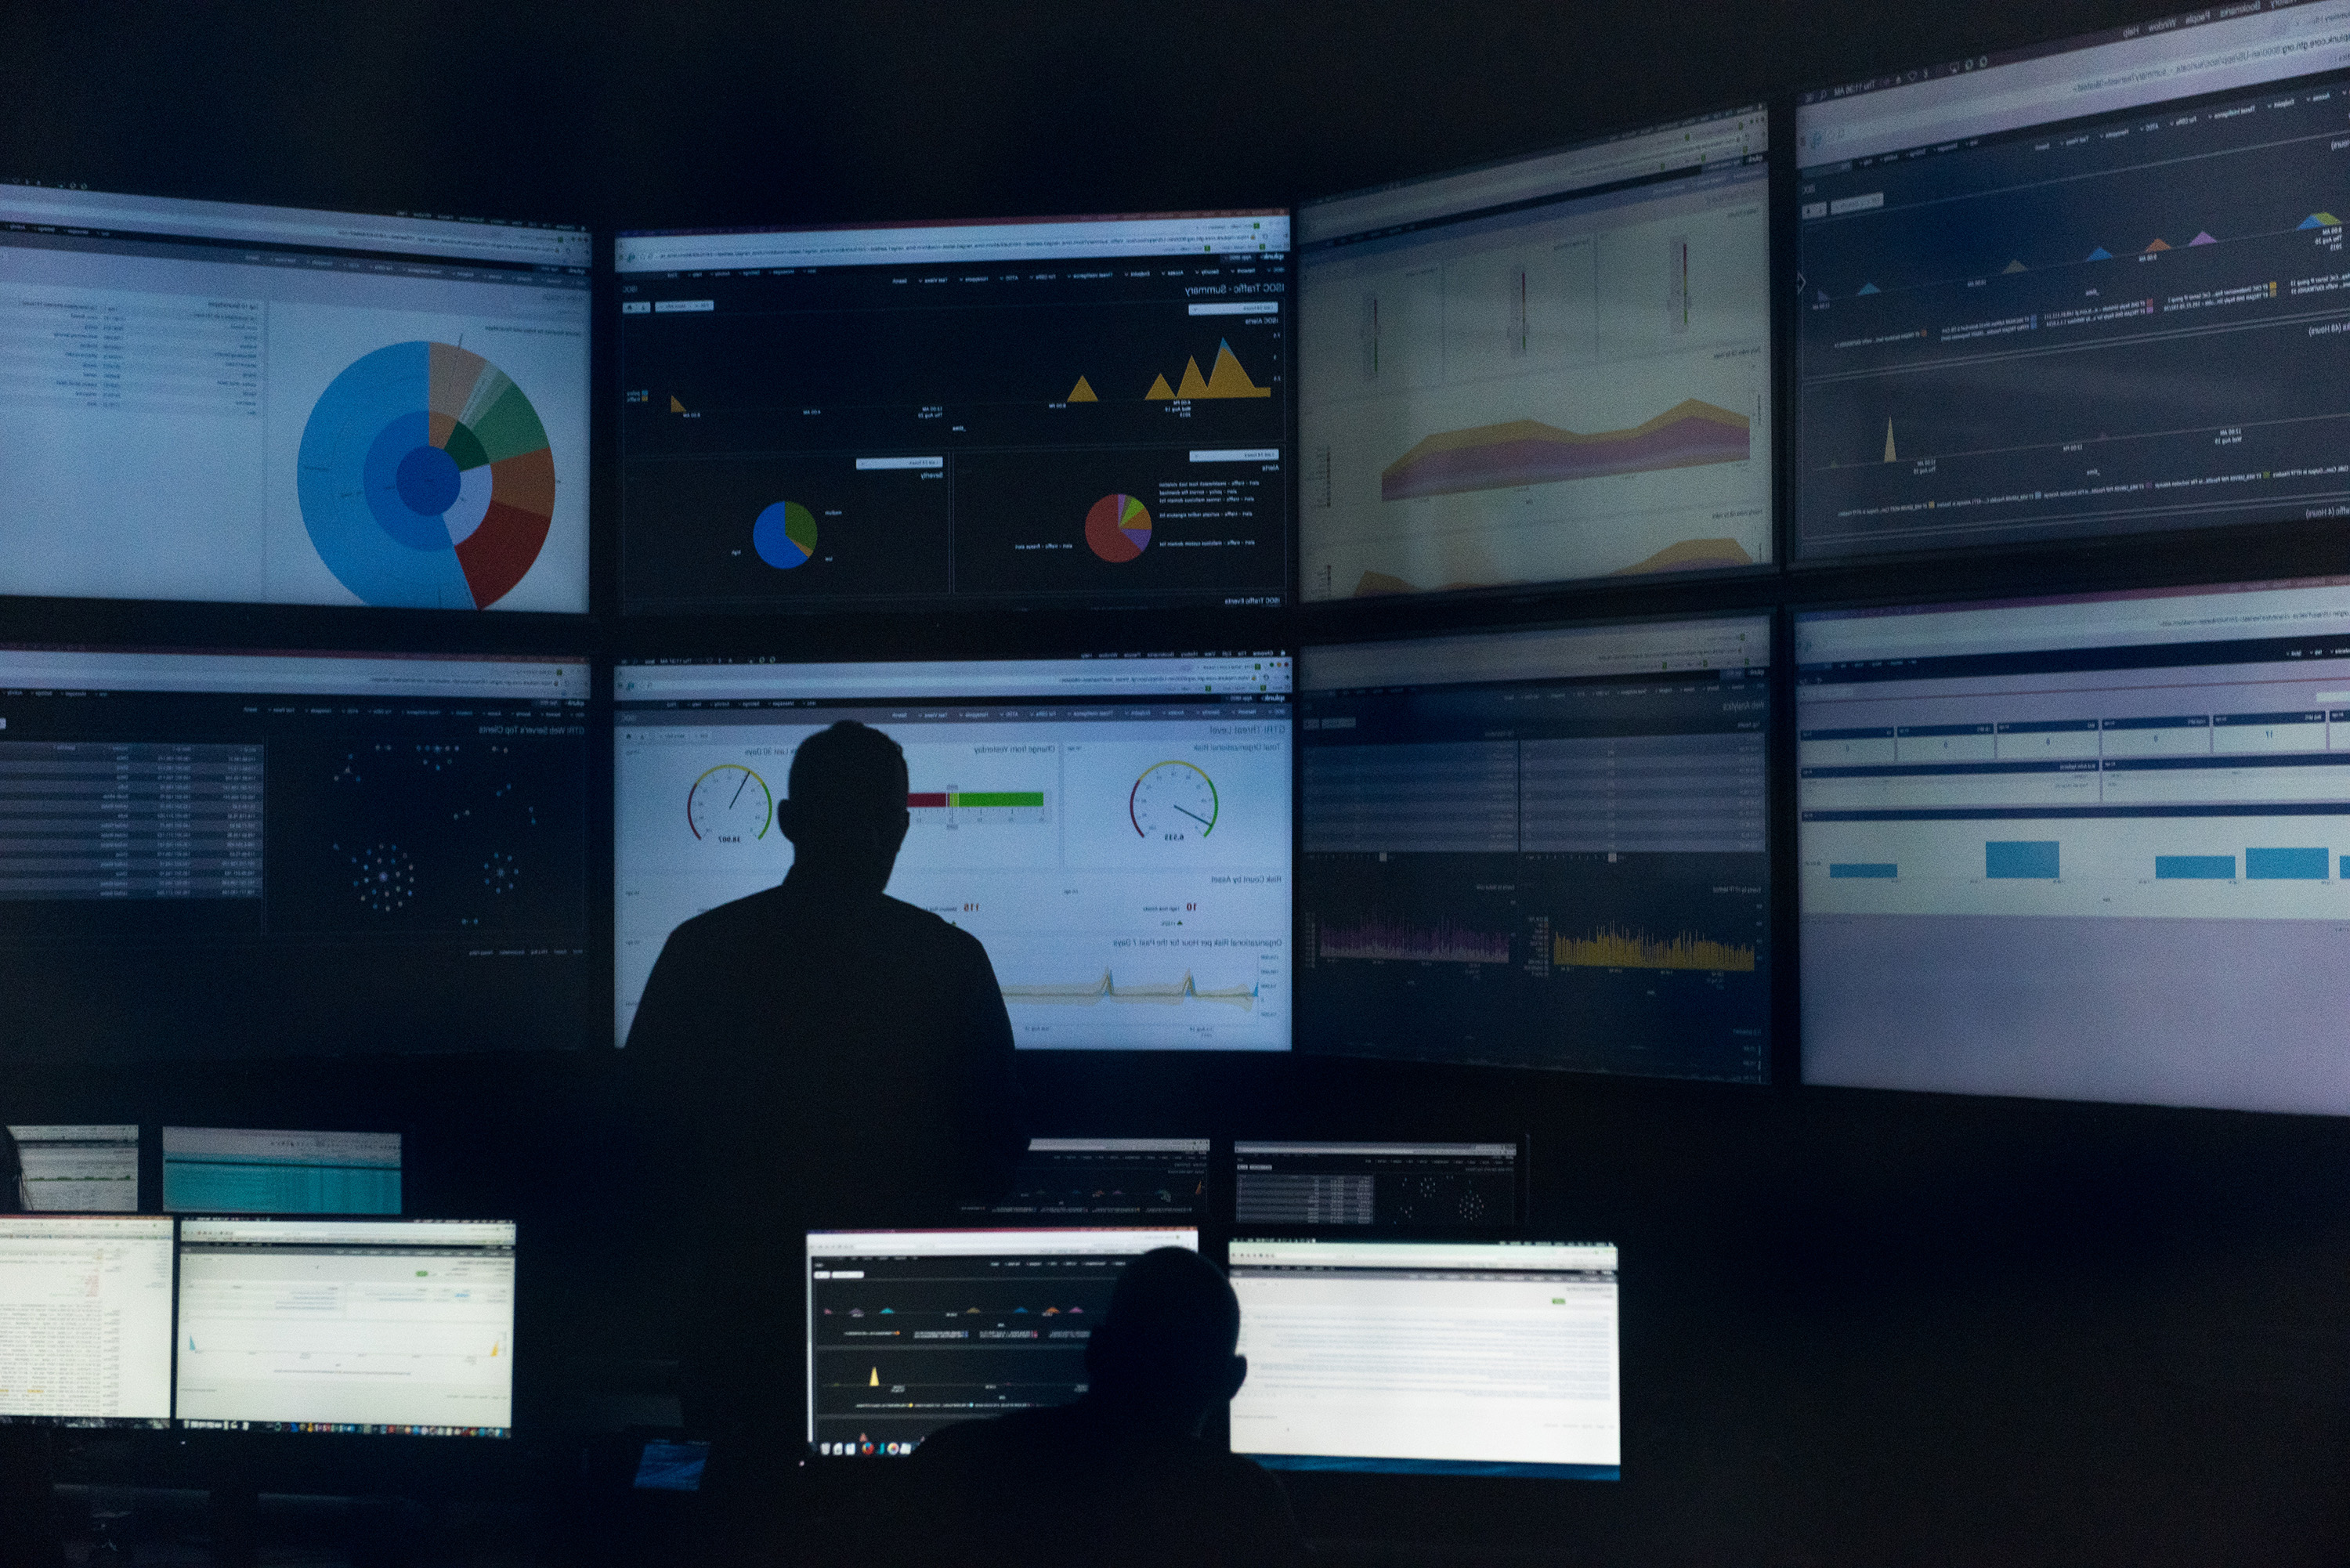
(544, 244)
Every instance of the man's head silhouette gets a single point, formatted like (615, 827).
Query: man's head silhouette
(1162, 1356)
(845, 811)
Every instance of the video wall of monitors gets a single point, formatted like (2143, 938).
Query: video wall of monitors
(294, 854)
(2086, 289)
(1545, 369)
(208, 400)
(1073, 412)
(1456, 519)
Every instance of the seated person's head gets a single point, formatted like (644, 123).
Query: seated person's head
(1164, 1350)
(846, 812)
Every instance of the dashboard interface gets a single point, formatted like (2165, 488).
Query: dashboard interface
(1057, 412)
(1114, 830)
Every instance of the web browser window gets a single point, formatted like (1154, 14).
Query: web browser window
(1453, 1358)
(1114, 830)
(247, 1171)
(2090, 848)
(1547, 369)
(400, 1326)
(210, 400)
(2088, 288)
(1015, 414)
(85, 1319)
(909, 1331)
(80, 1170)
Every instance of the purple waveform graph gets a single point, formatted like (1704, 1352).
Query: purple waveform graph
(1527, 452)
(1443, 943)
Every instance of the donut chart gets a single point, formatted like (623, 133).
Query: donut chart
(426, 478)
(1118, 528)
(784, 536)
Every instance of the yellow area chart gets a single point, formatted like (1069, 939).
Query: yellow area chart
(1612, 946)
(1107, 988)
(1225, 380)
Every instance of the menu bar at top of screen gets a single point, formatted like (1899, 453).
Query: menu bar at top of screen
(1478, 1256)
(88, 210)
(2214, 50)
(2313, 607)
(1001, 678)
(62, 670)
(1040, 239)
(1562, 653)
(1118, 1242)
(391, 1233)
(1666, 149)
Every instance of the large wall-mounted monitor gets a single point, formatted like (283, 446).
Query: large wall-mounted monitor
(256, 1170)
(85, 1320)
(249, 854)
(80, 1170)
(2089, 848)
(397, 1326)
(1417, 1189)
(1544, 370)
(1541, 848)
(908, 1331)
(1114, 830)
(2085, 288)
(1106, 1180)
(207, 401)
(1051, 412)
(1489, 1359)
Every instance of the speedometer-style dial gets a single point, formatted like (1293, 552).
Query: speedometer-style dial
(730, 805)
(1174, 801)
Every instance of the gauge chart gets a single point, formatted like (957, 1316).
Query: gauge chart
(730, 805)
(1174, 801)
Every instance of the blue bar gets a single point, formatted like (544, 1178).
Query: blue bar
(2026, 859)
(2285, 865)
(2212, 867)
(1861, 869)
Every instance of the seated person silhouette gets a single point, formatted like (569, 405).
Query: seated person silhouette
(817, 1055)
(12, 1175)
(1121, 1476)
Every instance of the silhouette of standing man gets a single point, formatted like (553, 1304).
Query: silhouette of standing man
(813, 1056)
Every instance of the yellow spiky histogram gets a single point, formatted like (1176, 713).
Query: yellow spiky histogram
(1612, 946)
(1083, 392)
(1889, 455)
(1227, 380)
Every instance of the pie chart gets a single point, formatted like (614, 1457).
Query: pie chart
(785, 534)
(426, 478)
(1118, 528)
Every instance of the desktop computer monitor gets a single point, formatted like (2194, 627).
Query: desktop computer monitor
(1290, 1186)
(1114, 830)
(1057, 412)
(247, 1171)
(2074, 290)
(1540, 848)
(1543, 369)
(224, 854)
(908, 1331)
(2086, 848)
(1151, 1180)
(400, 1326)
(211, 401)
(80, 1170)
(85, 1320)
(1493, 1358)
